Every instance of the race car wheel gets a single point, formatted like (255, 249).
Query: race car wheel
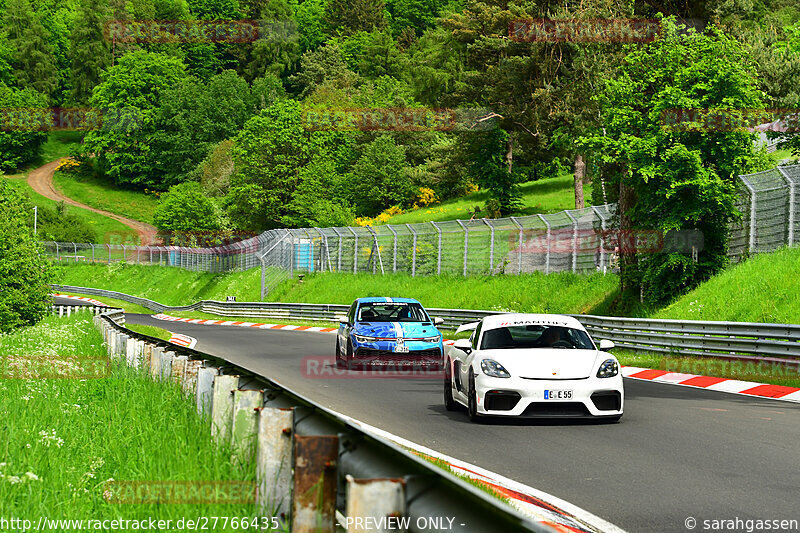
(472, 402)
(339, 361)
(449, 403)
(348, 361)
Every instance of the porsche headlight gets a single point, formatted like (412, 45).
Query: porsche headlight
(364, 338)
(608, 369)
(494, 369)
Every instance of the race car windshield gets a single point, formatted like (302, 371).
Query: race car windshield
(535, 336)
(392, 312)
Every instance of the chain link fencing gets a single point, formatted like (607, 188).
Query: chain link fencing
(578, 240)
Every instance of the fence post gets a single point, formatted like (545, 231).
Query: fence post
(439, 252)
(377, 251)
(466, 244)
(752, 236)
(413, 250)
(92, 245)
(108, 248)
(790, 182)
(205, 388)
(75, 251)
(274, 461)
(339, 252)
(519, 245)
(491, 245)
(394, 248)
(355, 250)
(58, 258)
(222, 407)
(327, 250)
(374, 497)
(547, 257)
(602, 238)
(315, 480)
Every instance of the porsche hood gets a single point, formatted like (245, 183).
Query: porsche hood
(545, 363)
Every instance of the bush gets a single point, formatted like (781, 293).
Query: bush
(24, 273)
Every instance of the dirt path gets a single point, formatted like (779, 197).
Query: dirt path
(41, 181)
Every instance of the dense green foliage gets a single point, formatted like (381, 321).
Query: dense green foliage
(24, 273)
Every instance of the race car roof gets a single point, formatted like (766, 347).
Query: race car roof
(525, 319)
(385, 299)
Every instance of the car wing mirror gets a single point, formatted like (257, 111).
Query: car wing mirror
(438, 321)
(605, 345)
(464, 345)
(342, 319)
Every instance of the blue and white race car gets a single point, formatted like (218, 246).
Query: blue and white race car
(381, 332)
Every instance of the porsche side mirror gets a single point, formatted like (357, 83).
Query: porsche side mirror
(605, 345)
(342, 319)
(464, 345)
(438, 321)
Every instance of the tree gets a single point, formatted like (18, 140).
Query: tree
(277, 49)
(24, 272)
(353, 16)
(133, 88)
(491, 169)
(32, 58)
(20, 143)
(89, 51)
(415, 14)
(188, 214)
(310, 16)
(675, 178)
(381, 177)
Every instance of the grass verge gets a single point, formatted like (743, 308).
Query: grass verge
(65, 439)
(543, 196)
(152, 331)
(100, 194)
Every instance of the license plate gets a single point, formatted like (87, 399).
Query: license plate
(401, 349)
(557, 394)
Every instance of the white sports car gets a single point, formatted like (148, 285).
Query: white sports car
(526, 365)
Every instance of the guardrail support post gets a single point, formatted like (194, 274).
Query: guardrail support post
(315, 480)
(222, 406)
(139, 354)
(166, 365)
(130, 352)
(374, 498)
(189, 382)
(244, 430)
(274, 461)
(205, 388)
(178, 368)
(155, 362)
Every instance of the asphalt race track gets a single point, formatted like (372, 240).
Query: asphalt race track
(678, 452)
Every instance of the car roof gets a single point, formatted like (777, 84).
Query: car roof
(524, 319)
(386, 299)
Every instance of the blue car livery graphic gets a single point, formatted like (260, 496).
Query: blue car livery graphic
(382, 331)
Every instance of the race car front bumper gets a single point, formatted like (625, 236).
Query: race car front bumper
(529, 398)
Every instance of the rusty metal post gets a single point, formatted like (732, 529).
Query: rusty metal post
(244, 431)
(178, 368)
(314, 494)
(222, 407)
(155, 362)
(205, 388)
(374, 498)
(189, 382)
(147, 357)
(274, 462)
(166, 365)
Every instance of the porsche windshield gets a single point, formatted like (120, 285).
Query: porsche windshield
(535, 336)
(392, 312)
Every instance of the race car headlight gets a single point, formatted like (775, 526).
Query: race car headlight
(364, 338)
(608, 369)
(494, 369)
(437, 338)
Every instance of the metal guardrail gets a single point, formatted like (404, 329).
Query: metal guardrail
(428, 492)
(778, 343)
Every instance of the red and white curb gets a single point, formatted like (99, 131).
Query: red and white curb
(183, 340)
(532, 503)
(734, 386)
(260, 325)
(749, 388)
(82, 298)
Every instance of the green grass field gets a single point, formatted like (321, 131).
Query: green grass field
(543, 196)
(58, 145)
(107, 228)
(65, 440)
(100, 194)
(152, 331)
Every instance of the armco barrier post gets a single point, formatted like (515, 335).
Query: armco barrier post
(222, 406)
(166, 365)
(374, 497)
(205, 388)
(147, 357)
(155, 362)
(189, 382)
(139, 355)
(274, 461)
(315, 481)
(245, 424)
(178, 368)
(130, 350)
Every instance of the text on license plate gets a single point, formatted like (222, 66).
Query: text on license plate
(401, 349)
(557, 394)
